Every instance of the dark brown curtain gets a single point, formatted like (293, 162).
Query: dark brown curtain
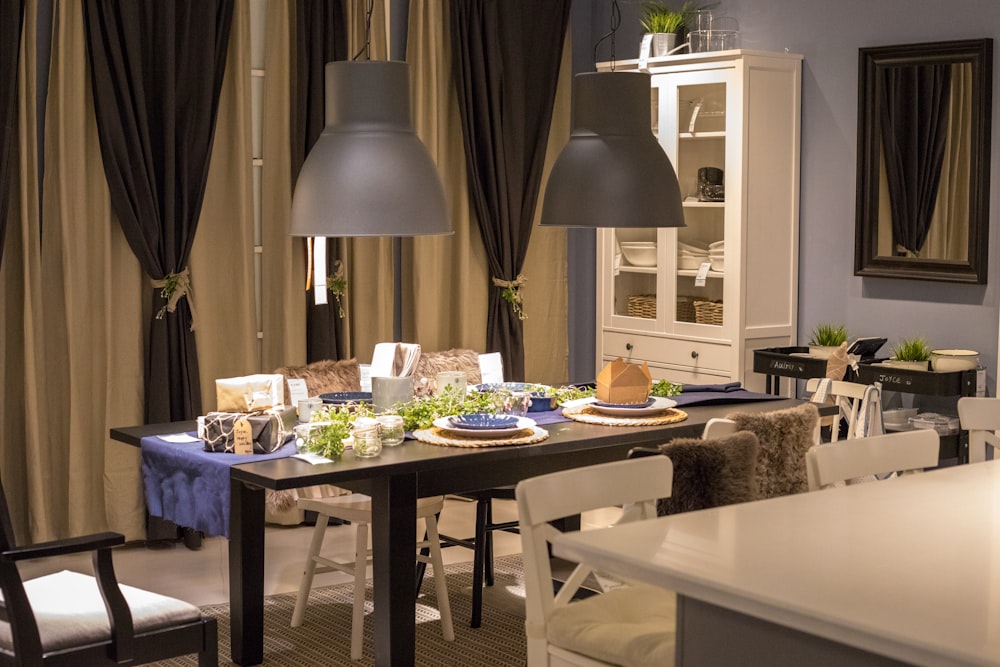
(321, 37)
(914, 117)
(156, 73)
(506, 57)
(11, 20)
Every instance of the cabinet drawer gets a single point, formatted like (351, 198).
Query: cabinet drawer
(693, 354)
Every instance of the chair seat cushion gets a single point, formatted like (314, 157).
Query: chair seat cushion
(70, 612)
(632, 626)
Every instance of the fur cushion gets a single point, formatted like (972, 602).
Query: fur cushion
(323, 377)
(784, 437)
(710, 473)
(432, 363)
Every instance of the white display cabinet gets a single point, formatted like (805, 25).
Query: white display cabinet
(694, 302)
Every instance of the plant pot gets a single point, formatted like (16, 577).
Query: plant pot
(663, 43)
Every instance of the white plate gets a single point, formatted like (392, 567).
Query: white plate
(659, 405)
(522, 423)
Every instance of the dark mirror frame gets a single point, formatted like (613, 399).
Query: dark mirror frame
(978, 52)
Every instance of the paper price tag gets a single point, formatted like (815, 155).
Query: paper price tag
(243, 436)
(297, 390)
(645, 46)
(699, 279)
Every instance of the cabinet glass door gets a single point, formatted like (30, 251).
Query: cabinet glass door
(635, 254)
(693, 107)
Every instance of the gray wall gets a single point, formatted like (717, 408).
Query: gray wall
(828, 34)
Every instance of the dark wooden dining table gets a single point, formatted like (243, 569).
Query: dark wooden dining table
(395, 480)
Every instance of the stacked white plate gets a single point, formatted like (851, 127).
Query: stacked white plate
(639, 253)
(690, 256)
(716, 255)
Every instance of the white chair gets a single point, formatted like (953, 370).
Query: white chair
(357, 508)
(981, 418)
(628, 625)
(903, 452)
(848, 396)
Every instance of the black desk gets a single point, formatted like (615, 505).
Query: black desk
(394, 481)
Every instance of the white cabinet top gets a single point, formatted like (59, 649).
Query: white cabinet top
(907, 567)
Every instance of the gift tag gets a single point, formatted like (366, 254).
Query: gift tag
(243, 436)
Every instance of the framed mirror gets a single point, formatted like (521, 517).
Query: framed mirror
(924, 115)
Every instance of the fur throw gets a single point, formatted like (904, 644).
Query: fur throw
(710, 473)
(784, 437)
(326, 376)
(432, 363)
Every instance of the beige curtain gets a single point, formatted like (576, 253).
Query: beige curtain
(222, 258)
(445, 300)
(949, 232)
(283, 258)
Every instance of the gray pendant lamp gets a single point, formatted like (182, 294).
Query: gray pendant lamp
(368, 174)
(612, 172)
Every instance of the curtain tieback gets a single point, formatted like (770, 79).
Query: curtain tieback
(512, 293)
(172, 287)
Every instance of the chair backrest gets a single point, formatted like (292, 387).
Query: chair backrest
(718, 427)
(569, 492)
(902, 452)
(848, 396)
(981, 418)
(784, 436)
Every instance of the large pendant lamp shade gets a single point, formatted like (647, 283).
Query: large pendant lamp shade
(368, 174)
(612, 172)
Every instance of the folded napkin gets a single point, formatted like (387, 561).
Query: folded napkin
(395, 359)
(729, 386)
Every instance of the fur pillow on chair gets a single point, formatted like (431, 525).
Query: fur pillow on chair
(432, 363)
(784, 437)
(323, 377)
(710, 473)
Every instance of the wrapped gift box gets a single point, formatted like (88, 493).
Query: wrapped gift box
(268, 430)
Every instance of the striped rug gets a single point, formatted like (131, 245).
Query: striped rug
(324, 637)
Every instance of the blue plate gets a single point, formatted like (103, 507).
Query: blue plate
(341, 397)
(483, 421)
(602, 404)
(539, 401)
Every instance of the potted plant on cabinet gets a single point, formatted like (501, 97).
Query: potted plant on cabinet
(911, 353)
(663, 24)
(826, 339)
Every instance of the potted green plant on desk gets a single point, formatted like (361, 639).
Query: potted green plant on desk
(911, 353)
(827, 339)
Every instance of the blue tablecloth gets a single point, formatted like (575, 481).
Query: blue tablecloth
(189, 486)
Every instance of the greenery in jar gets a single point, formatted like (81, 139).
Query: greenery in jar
(330, 425)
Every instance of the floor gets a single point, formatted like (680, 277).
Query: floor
(202, 576)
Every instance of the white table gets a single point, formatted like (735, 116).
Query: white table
(904, 570)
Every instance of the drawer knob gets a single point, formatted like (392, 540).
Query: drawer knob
(628, 346)
(694, 354)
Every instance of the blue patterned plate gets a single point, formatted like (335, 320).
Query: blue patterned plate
(483, 421)
(341, 397)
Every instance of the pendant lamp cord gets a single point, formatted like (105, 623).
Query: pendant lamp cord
(368, 32)
(616, 21)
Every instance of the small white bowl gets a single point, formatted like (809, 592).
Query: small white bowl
(954, 360)
(639, 253)
(718, 264)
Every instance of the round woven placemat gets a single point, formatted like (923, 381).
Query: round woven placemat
(440, 436)
(589, 415)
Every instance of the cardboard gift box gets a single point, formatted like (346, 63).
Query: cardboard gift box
(250, 393)
(253, 433)
(624, 383)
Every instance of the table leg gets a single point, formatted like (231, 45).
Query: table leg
(394, 538)
(246, 573)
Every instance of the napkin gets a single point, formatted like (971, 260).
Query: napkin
(395, 359)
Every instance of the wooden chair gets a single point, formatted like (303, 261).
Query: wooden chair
(70, 619)
(625, 625)
(357, 509)
(903, 452)
(981, 418)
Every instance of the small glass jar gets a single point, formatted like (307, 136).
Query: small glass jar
(392, 430)
(367, 441)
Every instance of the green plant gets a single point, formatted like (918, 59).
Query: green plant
(911, 349)
(330, 426)
(657, 17)
(664, 389)
(422, 411)
(828, 335)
